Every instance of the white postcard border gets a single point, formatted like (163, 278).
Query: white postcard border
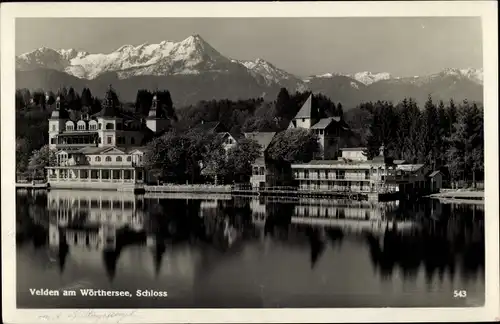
(486, 9)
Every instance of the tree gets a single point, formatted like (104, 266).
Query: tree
(430, 133)
(294, 145)
(477, 142)
(282, 103)
(238, 166)
(20, 103)
(383, 130)
(22, 154)
(51, 98)
(86, 98)
(408, 131)
(442, 134)
(40, 159)
(180, 156)
(166, 105)
(466, 143)
(340, 111)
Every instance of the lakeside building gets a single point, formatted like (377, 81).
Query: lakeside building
(354, 173)
(262, 171)
(230, 140)
(103, 150)
(328, 130)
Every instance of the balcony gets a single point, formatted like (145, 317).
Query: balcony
(331, 178)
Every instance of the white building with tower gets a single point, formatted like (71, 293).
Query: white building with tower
(102, 150)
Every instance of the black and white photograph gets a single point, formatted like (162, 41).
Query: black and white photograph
(249, 162)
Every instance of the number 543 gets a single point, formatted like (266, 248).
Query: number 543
(459, 293)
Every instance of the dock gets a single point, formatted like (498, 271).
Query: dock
(31, 185)
(462, 195)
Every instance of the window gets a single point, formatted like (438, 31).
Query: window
(108, 158)
(367, 175)
(110, 126)
(100, 126)
(303, 120)
(110, 139)
(119, 126)
(129, 158)
(306, 174)
(341, 174)
(321, 132)
(132, 140)
(98, 159)
(140, 158)
(81, 126)
(53, 128)
(118, 159)
(88, 158)
(53, 140)
(69, 127)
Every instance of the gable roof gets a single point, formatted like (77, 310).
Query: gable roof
(263, 138)
(306, 109)
(210, 126)
(433, 174)
(324, 122)
(410, 167)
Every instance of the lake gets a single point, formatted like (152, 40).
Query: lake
(225, 251)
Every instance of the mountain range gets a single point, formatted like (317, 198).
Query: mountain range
(192, 70)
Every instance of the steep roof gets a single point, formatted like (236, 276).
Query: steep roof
(306, 109)
(324, 123)
(433, 174)
(213, 126)
(263, 138)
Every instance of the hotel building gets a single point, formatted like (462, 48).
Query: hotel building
(103, 150)
(354, 173)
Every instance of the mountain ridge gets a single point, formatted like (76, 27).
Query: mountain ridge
(194, 59)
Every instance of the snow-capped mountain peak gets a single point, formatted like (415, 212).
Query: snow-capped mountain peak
(271, 74)
(368, 78)
(365, 77)
(472, 74)
(189, 56)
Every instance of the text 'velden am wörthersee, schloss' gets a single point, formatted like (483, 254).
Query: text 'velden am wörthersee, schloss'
(97, 293)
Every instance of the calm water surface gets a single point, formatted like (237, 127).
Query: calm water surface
(223, 251)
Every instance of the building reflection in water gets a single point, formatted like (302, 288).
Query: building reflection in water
(95, 227)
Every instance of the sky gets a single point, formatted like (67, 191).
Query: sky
(402, 46)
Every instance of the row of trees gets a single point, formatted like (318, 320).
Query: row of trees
(442, 136)
(447, 136)
(195, 155)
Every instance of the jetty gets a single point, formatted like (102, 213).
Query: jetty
(31, 185)
(459, 195)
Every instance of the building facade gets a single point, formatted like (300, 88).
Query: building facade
(103, 150)
(354, 173)
(262, 172)
(328, 130)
